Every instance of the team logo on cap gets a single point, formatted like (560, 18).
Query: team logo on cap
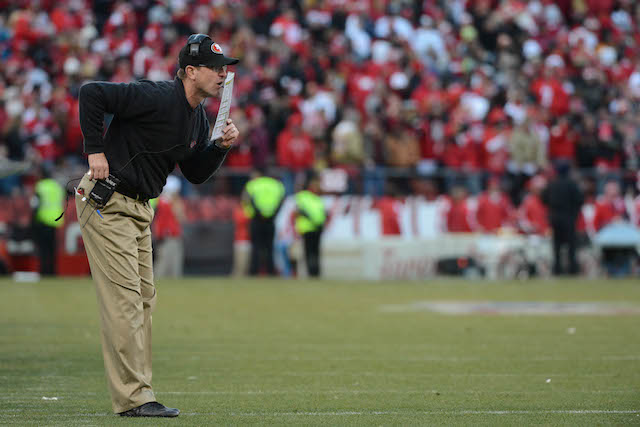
(215, 48)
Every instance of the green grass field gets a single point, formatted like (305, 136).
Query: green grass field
(231, 352)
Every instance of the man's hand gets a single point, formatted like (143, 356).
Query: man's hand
(98, 166)
(229, 135)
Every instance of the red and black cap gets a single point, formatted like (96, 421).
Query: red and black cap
(201, 51)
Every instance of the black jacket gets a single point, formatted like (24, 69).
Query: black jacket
(153, 122)
(564, 199)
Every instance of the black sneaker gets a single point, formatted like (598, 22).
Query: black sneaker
(151, 409)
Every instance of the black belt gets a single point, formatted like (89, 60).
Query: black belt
(132, 194)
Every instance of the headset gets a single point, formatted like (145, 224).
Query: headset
(194, 42)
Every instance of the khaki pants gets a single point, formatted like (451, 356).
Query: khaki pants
(118, 246)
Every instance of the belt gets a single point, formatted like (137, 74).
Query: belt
(138, 197)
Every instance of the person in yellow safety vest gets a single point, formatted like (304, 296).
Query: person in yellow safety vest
(47, 202)
(261, 200)
(310, 220)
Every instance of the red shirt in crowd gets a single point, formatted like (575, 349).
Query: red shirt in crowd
(165, 222)
(295, 150)
(494, 211)
(241, 222)
(607, 211)
(240, 156)
(551, 95)
(561, 142)
(533, 215)
(458, 215)
(462, 154)
(495, 150)
(585, 221)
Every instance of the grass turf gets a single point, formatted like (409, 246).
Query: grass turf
(323, 353)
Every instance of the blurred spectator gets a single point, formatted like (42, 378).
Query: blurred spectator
(47, 206)
(549, 90)
(610, 206)
(167, 230)
(564, 200)
(561, 140)
(587, 145)
(527, 156)
(295, 150)
(533, 217)
(347, 146)
(458, 211)
(258, 138)
(262, 199)
(494, 210)
(241, 244)
(402, 147)
(585, 225)
(310, 219)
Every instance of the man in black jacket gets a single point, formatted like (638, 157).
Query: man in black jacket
(154, 126)
(564, 200)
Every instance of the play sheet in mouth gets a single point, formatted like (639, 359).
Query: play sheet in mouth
(225, 106)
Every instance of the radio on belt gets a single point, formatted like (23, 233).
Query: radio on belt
(103, 190)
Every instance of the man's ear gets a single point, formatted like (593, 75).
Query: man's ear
(191, 71)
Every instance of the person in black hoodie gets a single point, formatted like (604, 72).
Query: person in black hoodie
(153, 126)
(564, 199)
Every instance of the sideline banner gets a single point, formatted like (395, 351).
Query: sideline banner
(400, 259)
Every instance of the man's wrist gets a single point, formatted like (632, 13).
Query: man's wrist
(218, 144)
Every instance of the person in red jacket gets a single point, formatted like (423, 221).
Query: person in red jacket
(532, 212)
(550, 92)
(167, 230)
(295, 149)
(458, 213)
(494, 208)
(610, 206)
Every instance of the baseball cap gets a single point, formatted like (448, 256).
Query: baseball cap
(201, 51)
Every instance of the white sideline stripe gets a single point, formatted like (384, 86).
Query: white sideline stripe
(20, 397)
(420, 374)
(251, 392)
(462, 412)
(369, 413)
(416, 359)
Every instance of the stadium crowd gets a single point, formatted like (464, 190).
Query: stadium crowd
(403, 97)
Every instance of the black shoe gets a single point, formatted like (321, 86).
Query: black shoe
(151, 409)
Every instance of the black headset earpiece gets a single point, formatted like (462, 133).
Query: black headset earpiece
(194, 42)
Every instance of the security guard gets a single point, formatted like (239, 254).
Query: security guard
(262, 199)
(48, 202)
(564, 200)
(310, 220)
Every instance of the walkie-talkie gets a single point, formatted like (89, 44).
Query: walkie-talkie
(103, 190)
